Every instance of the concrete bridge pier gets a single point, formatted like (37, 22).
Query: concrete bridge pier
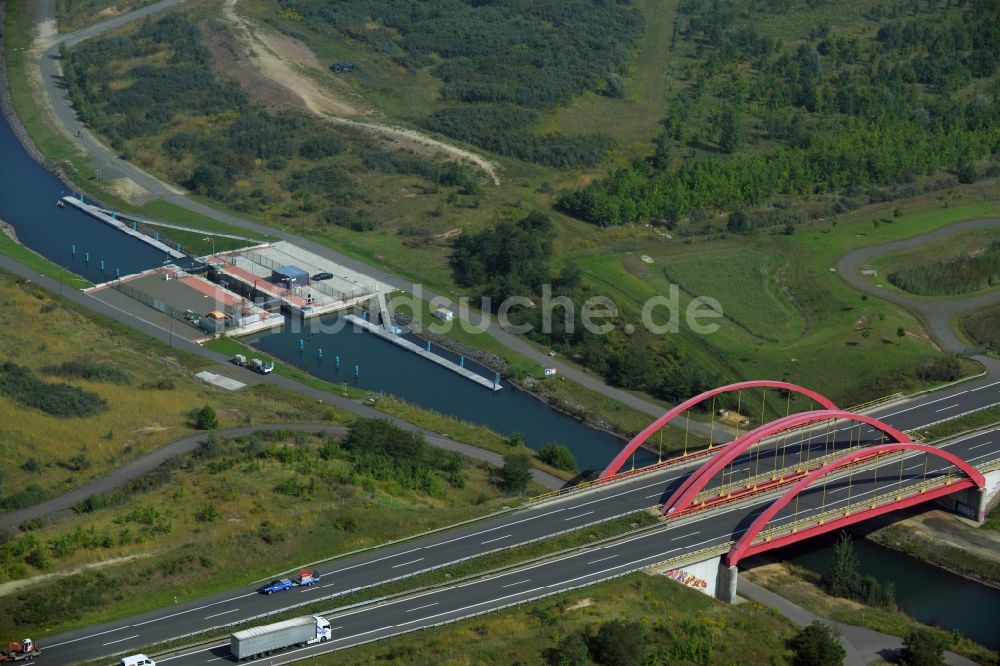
(726, 588)
(974, 503)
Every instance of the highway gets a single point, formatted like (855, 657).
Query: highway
(518, 527)
(591, 565)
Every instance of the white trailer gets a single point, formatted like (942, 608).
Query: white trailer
(259, 641)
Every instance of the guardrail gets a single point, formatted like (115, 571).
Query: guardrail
(910, 490)
(648, 469)
(877, 402)
(521, 602)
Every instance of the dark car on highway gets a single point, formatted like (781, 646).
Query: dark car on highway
(323, 276)
(277, 586)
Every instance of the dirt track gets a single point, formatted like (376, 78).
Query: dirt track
(286, 62)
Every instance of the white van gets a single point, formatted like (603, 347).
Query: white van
(137, 660)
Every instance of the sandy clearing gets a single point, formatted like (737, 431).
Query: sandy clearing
(283, 61)
(13, 586)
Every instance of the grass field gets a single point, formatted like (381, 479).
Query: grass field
(983, 327)
(960, 245)
(42, 330)
(679, 620)
(268, 503)
(837, 341)
(749, 283)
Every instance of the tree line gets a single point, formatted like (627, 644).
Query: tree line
(830, 115)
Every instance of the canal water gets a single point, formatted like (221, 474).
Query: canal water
(385, 367)
(28, 195)
(929, 594)
(27, 201)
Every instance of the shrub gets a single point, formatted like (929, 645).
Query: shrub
(90, 371)
(922, 647)
(558, 456)
(516, 472)
(620, 643)
(817, 645)
(205, 418)
(61, 400)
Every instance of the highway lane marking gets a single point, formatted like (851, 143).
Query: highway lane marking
(363, 633)
(654, 495)
(465, 608)
(215, 659)
(610, 497)
(609, 557)
(947, 408)
(683, 536)
(422, 607)
(191, 610)
(311, 588)
(83, 638)
(209, 617)
(121, 640)
(492, 529)
(387, 557)
(574, 517)
(520, 582)
(979, 445)
(403, 564)
(924, 404)
(505, 536)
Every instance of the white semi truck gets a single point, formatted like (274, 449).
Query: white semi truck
(261, 641)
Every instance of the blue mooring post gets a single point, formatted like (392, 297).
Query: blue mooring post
(364, 315)
(428, 345)
(178, 247)
(72, 249)
(302, 344)
(336, 359)
(321, 352)
(357, 371)
(114, 215)
(496, 380)
(134, 227)
(118, 273)
(157, 235)
(102, 265)
(461, 361)
(86, 257)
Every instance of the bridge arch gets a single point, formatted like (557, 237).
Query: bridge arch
(745, 547)
(615, 465)
(697, 481)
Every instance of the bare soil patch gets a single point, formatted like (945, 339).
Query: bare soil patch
(283, 71)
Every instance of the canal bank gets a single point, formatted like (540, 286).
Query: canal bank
(924, 593)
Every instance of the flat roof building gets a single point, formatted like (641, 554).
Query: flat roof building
(290, 276)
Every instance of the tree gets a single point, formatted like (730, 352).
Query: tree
(572, 651)
(739, 222)
(205, 419)
(817, 645)
(558, 456)
(516, 472)
(730, 130)
(620, 643)
(515, 439)
(844, 575)
(900, 332)
(922, 647)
